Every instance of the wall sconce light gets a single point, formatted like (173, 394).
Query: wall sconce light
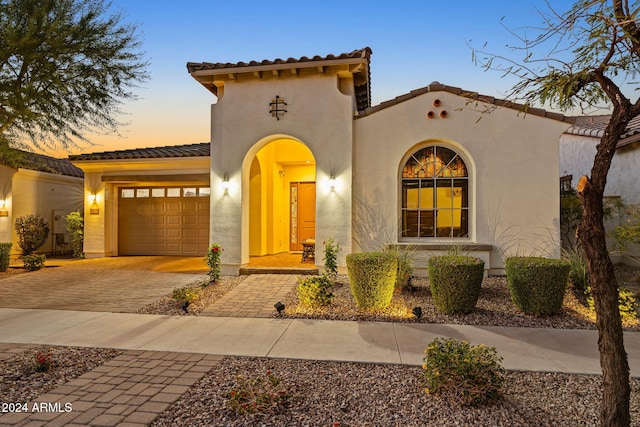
(332, 182)
(94, 209)
(225, 184)
(3, 208)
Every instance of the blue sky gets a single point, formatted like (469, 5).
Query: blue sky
(414, 43)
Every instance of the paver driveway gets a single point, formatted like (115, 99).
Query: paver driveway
(118, 284)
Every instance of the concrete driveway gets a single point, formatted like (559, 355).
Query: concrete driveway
(118, 284)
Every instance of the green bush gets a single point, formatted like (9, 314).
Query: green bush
(405, 257)
(455, 282)
(5, 254)
(537, 285)
(33, 262)
(75, 228)
(578, 273)
(315, 291)
(462, 374)
(331, 249)
(187, 294)
(627, 305)
(213, 261)
(372, 277)
(33, 232)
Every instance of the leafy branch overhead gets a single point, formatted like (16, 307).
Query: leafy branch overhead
(66, 66)
(580, 58)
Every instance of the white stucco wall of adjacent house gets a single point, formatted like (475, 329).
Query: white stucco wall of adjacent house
(577, 153)
(48, 195)
(513, 166)
(318, 115)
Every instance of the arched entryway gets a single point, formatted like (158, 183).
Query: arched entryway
(281, 192)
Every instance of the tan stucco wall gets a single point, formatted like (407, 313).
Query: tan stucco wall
(39, 193)
(512, 161)
(319, 116)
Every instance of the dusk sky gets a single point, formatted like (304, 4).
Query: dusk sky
(414, 43)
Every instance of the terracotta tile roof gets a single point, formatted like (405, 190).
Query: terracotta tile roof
(199, 66)
(594, 126)
(42, 163)
(473, 96)
(362, 88)
(189, 150)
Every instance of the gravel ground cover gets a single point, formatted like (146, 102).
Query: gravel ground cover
(209, 295)
(355, 394)
(19, 382)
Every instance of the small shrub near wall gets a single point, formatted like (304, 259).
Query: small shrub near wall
(5, 254)
(33, 232)
(75, 228)
(315, 291)
(537, 285)
(405, 256)
(372, 277)
(33, 262)
(455, 282)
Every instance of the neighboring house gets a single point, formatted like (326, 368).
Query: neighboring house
(577, 151)
(298, 152)
(40, 185)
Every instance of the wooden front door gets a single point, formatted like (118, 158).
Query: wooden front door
(302, 203)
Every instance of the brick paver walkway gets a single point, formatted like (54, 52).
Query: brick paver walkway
(119, 285)
(254, 297)
(130, 390)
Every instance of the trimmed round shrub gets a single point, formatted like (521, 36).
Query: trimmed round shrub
(455, 282)
(461, 373)
(5, 255)
(315, 291)
(372, 277)
(537, 285)
(34, 262)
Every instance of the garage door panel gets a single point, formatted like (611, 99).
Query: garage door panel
(162, 225)
(173, 219)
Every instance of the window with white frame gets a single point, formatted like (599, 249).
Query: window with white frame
(435, 194)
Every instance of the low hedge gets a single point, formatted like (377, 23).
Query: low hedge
(5, 254)
(537, 285)
(372, 277)
(455, 282)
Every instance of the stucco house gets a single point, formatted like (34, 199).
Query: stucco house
(40, 185)
(577, 151)
(298, 152)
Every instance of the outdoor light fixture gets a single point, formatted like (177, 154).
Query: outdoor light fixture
(225, 184)
(417, 311)
(332, 182)
(3, 208)
(94, 209)
(279, 306)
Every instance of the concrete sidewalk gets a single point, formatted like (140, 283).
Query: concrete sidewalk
(527, 349)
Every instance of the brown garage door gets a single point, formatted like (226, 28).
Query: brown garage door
(163, 221)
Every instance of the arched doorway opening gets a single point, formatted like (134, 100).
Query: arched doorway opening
(282, 202)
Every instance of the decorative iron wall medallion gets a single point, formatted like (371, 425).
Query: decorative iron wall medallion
(277, 107)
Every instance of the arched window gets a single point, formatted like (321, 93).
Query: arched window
(435, 194)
